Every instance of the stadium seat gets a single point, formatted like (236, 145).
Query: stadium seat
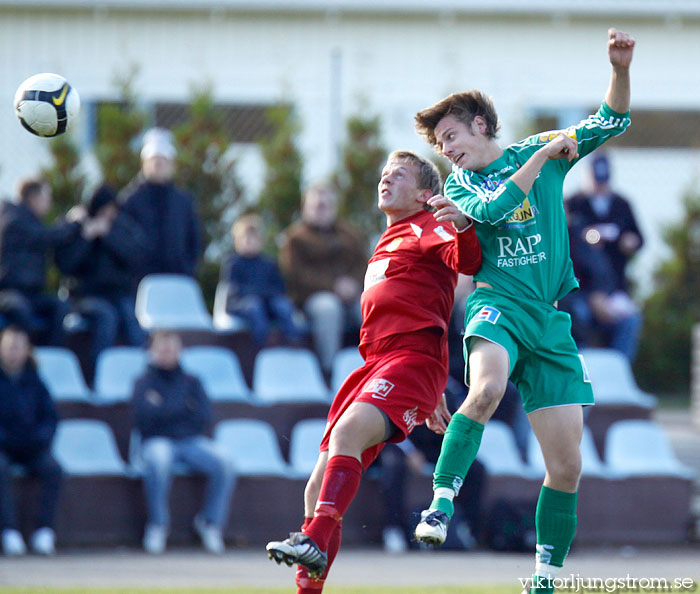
(499, 452)
(345, 362)
(641, 448)
(284, 374)
(612, 379)
(219, 371)
(252, 445)
(591, 464)
(172, 301)
(59, 368)
(116, 370)
(223, 320)
(303, 445)
(87, 446)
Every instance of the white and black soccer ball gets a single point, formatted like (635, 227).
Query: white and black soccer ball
(46, 104)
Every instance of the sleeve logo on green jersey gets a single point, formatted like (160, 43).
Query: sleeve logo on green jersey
(488, 314)
(524, 213)
(552, 134)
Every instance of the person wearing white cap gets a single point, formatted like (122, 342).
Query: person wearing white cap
(164, 211)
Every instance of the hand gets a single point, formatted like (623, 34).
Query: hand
(438, 420)
(620, 48)
(97, 227)
(76, 214)
(447, 210)
(561, 147)
(629, 243)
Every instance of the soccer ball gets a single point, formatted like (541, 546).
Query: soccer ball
(46, 104)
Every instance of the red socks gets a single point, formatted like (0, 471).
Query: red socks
(340, 483)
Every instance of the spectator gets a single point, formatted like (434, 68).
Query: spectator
(27, 426)
(166, 214)
(24, 245)
(102, 260)
(323, 262)
(172, 415)
(256, 290)
(604, 237)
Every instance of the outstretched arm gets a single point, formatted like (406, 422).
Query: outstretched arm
(620, 50)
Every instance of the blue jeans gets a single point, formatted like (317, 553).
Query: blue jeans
(202, 455)
(261, 312)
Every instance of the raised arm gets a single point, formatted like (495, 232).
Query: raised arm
(620, 50)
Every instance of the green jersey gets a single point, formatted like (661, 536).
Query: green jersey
(524, 239)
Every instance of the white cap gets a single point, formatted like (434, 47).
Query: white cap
(158, 142)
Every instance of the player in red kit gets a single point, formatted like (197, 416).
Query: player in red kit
(406, 305)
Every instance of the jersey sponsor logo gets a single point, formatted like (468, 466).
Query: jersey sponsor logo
(492, 184)
(443, 234)
(410, 417)
(525, 212)
(552, 134)
(417, 230)
(519, 251)
(379, 388)
(376, 272)
(488, 314)
(394, 245)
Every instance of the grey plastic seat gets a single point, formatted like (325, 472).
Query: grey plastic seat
(87, 446)
(591, 465)
(284, 374)
(499, 452)
(219, 371)
(59, 369)
(172, 301)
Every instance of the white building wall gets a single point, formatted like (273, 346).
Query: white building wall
(332, 64)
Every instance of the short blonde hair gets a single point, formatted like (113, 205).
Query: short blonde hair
(428, 177)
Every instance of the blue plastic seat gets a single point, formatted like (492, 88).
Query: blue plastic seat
(284, 374)
(87, 446)
(59, 369)
(303, 444)
(499, 452)
(219, 371)
(116, 370)
(345, 362)
(172, 301)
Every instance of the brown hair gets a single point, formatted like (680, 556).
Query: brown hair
(463, 106)
(428, 177)
(29, 188)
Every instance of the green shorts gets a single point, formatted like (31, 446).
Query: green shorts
(545, 363)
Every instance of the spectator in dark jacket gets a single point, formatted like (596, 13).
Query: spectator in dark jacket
(165, 213)
(102, 260)
(25, 243)
(255, 288)
(172, 414)
(27, 426)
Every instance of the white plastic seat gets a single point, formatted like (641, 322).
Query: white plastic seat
(219, 371)
(284, 374)
(641, 448)
(87, 446)
(172, 301)
(591, 464)
(223, 320)
(253, 447)
(303, 445)
(612, 379)
(59, 369)
(499, 452)
(345, 362)
(116, 370)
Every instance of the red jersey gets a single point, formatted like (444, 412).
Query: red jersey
(411, 277)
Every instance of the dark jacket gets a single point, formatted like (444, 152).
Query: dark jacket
(24, 244)
(252, 275)
(581, 214)
(170, 403)
(105, 266)
(27, 413)
(168, 218)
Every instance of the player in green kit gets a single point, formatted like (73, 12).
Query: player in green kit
(513, 328)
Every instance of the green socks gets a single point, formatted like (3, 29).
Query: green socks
(459, 448)
(555, 521)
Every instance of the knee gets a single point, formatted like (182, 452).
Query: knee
(564, 471)
(484, 397)
(157, 454)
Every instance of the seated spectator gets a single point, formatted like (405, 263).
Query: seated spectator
(24, 245)
(604, 237)
(102, 261)
(256, 290)
(323, 262)
(172, 414)
(165, 212)
(27, 426)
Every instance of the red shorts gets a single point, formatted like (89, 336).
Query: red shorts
(404, 376)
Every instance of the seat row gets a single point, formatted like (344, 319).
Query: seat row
(88, 447)
(280, 374)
